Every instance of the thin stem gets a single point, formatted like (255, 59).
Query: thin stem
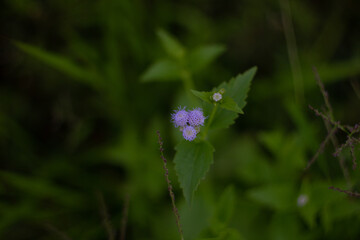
(349, 193)
(324, 93)
(188, 84)
(124, 217)
(327, 119)
(187, 79)
(321, 148)
(171, 193)
(292, 50)
(212, 115)
(105, 217)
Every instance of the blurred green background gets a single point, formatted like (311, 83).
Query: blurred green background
(78, 124)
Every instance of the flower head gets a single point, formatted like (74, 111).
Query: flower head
(217, 97)
(196, 117)
(180, 117)
(302, 200)
(189, 133)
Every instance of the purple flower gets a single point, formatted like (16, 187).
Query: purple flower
(189, 133)
(180, 117)
(196, 117)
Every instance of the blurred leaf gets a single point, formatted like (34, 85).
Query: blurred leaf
(276, 196)
(226, 205)
(203, 56)
(163, 70)
(195, 218)
(60, 63)
(42, 189)
(227, 234)
(192, 161)
(252, 167)
(171, 45)
(285, 226)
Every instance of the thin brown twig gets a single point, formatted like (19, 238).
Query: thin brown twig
(327, 119)
(172, 196)
(324, 93)
(124, 217)
(342, 164)
(59, 233)
(352, 151)
(351, 194)
(321, 148)
(105, 217)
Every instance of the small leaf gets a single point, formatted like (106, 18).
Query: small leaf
(237, 89)
(171, 45)
(60, 63)
(163, 70)
(205, 96)
(203, 56)
(226, 103)
(229, 104)
(192, 161)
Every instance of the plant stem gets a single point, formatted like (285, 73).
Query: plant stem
(292, 50)
(170, 189)
(188, 84)
(212, 115)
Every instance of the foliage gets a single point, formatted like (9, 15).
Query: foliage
(85, 87)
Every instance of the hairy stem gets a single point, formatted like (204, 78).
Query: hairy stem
(171, 193)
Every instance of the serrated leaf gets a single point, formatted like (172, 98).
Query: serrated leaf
(60, 63)
(237, 89)
(229, 104)
(205, 96)
(201, 57)
(163, 70)
(239, 86)
(171, 45)
(192, 161)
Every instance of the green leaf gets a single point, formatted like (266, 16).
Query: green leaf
(192, 161)
(226, 103)
(229, 104)
(237, 89)
(60, 63)
(227, 234)
(226, 205)
(42, 188)
(171, 45)
(163, 70)
(203, 56)
(205, 96)
(285, 226)
(276, 196)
